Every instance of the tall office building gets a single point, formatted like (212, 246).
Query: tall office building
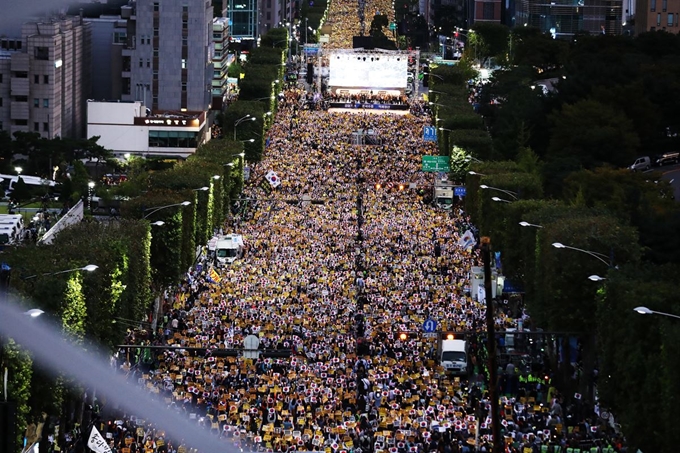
(220, 37)
(244, 19)
(169, 54)
(271, 13)
(45, 78)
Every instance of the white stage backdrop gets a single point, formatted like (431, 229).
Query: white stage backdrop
(368, 71)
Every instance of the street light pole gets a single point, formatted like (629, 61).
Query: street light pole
(491, 346)
(153, 210)
(88, 268)
(647, 311)
(599, 256)
(507, 192)
(240, 120)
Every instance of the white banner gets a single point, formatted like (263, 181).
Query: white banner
(97, 443)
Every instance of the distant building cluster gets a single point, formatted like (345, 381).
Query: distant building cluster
(104, 69)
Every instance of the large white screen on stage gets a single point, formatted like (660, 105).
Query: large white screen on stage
(368, 71)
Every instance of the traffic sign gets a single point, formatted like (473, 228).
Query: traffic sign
(460, 191)
(430, 335)
(430, 134)
(436, 163)
(429, 326)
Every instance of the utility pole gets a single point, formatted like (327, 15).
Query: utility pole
(491, 347)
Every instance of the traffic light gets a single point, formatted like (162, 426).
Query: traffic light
(455, 34)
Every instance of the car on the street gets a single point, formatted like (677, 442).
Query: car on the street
(668, 159)
(641, 164)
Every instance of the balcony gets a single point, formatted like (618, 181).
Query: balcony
(19, 86)
(19, 110)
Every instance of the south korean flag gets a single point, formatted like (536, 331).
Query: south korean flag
(273, 178)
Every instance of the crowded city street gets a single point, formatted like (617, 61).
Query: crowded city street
(345, 257)
(342, 281)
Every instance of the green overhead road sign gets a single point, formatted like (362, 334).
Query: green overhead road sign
(436, 163)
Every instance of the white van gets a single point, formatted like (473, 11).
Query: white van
(454, 357)
(228, 249)
(641, 164)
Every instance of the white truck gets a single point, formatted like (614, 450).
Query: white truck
(228, 249)
(443, 194)
(454, 357)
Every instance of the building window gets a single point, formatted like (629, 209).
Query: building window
(0, 78)
(155, 75)
(0, 102)
(120, 37)
(664, 5)
(155, 32)
(155, 100)
(653, 5)
(36, 127)
(185, 41)
(141, 62)
(184, 63)
(155, 53)
(42, 53)
(36, 103)
(46, 79)
(488, 11)
(21, 122)
(658, 19)
(148, 63)
(36, 78)
(46, 127)
(0, 125)
(173, 139)
(185, 24)
(185, 9)
(184, 86)
(156, 6)
(46, 103)
(669, 20)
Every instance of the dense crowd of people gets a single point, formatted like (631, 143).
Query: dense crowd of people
(328, 289)
(336, 293)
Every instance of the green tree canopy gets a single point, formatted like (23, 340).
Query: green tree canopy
(604, 135)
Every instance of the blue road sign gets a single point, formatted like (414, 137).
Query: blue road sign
(430, 134)
(429, 326)
(460, 191)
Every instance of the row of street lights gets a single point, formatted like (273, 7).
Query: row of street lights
(558, 245)
(596, 278)
(35, 312)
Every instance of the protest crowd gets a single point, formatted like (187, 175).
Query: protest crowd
(337, 291)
